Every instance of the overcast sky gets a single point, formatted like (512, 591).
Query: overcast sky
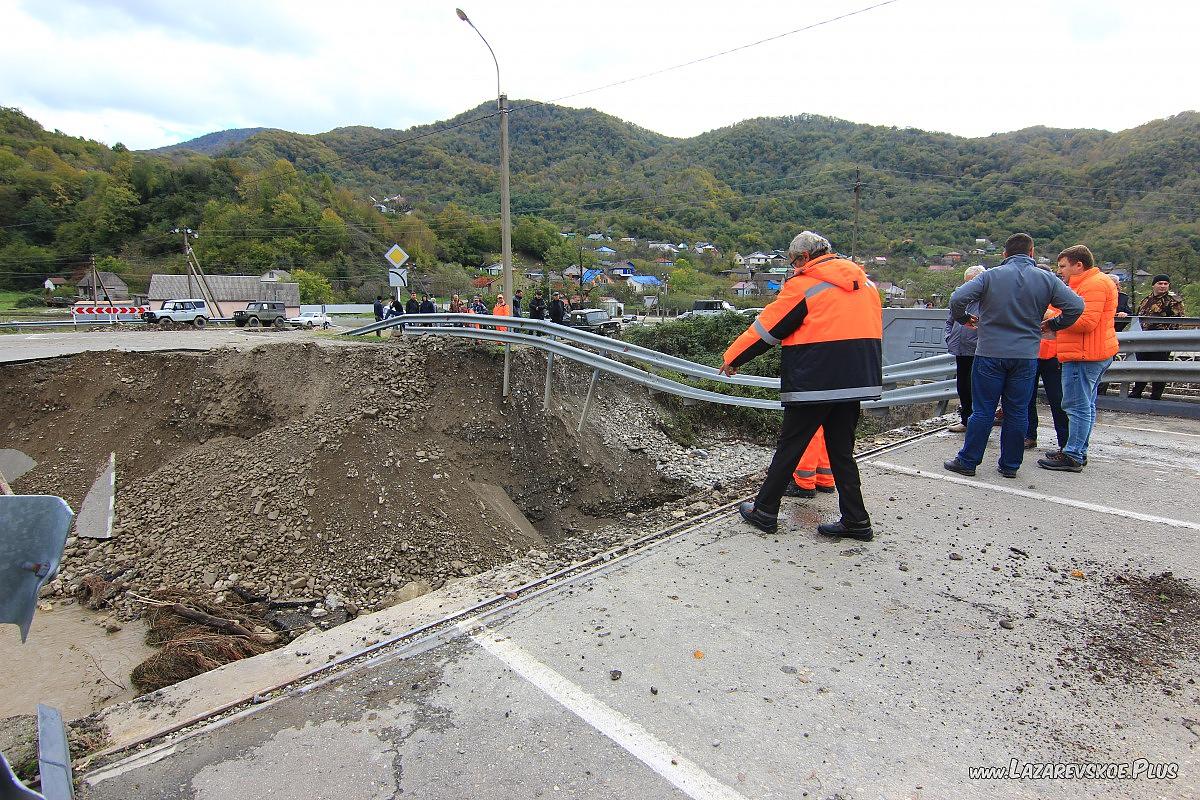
(155, 72)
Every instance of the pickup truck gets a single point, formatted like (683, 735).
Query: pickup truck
(260, 313)
(192, 311)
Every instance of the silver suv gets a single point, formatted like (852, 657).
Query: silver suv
(193, 312)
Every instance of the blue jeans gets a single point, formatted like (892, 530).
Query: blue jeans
(1080, 380)
(994, 380)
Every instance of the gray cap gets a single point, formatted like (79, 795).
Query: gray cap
(808, 242)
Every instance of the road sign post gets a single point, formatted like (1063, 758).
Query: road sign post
(397, 274)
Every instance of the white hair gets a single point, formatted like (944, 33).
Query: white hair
(809, 242)
(972, 271)
(1116, 279)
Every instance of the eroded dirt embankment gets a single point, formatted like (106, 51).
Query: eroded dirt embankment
(298, 470)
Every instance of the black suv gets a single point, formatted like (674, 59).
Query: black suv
(594, 320)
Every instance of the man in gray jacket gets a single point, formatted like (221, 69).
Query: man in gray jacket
(1012, 302)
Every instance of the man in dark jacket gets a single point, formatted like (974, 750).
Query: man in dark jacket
(1012, 304)
(518, 297)
(558, 309)
(378, 309)
(413, 306)
(537, 307)
(427, 306)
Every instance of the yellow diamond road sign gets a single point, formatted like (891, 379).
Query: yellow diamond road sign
(396, 256)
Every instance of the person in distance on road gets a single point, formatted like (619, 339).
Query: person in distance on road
(537, 307)
(1162, 303)
(501, 309)
(960, 343)
(558, 309)
(829, 321)
(378, 309)
(1012, 298)
(413, 306)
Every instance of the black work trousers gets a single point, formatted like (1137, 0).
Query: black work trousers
(800, 422)
(963, 384)
(1157, 387)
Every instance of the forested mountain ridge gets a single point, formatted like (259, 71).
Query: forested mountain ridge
(211, 144)
(280, 199)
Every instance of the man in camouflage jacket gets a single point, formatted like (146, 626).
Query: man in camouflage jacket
(1162, 303)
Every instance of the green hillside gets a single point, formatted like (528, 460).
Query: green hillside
(293, 201)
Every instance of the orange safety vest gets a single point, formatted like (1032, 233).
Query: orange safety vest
(501, 310)
(1092, 337)
(813, 469)
(830, 322)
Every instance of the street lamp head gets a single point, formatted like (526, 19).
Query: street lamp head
(462, 15)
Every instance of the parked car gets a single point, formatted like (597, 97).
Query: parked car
(311, 319)
(707, 308)
(261, 312)
(193, 311)
(593, 320)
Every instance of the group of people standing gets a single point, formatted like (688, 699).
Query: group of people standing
(556, 310)
(1017, 323)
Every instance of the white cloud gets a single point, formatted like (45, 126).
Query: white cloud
(149, 73)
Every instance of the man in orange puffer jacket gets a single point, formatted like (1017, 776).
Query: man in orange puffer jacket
(1086, 348)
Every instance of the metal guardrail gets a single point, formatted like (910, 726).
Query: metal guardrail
(483, 327)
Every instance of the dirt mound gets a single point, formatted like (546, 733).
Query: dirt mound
(343, 474)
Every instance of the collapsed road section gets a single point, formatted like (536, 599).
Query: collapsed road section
(296, 486)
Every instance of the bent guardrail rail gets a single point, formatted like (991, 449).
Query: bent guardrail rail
(484, 327)
(568, 342)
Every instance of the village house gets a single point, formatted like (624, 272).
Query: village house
(116, 288)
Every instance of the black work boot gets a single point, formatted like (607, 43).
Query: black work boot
(796, 490)
(767, 523)
(1060, 462)
(839, 528)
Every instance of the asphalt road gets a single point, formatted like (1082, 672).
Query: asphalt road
(15, 347)
(786, 666)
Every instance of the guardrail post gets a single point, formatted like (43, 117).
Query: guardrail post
(549, 375)
(587, 404)
(507, 367)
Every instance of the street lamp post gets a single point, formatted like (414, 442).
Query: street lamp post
(505, 210)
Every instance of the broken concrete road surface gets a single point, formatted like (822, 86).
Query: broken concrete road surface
(1047, 619)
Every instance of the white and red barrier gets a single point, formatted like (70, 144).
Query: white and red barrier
(107, 310)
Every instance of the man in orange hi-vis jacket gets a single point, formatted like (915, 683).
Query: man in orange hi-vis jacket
(812, 474)
(829, 321)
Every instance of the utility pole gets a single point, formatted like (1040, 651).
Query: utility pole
(857, 196)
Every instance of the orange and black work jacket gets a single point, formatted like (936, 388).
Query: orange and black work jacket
(829, 320)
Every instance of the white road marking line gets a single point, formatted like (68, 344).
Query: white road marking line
(684, 774)
(1146, 430)
(1050, 498)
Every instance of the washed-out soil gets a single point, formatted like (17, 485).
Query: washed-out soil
(301, 470)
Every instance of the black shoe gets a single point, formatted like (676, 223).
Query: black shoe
(767, 523)
(1060, 462)
(954, 465)
(863, 534)
(826, 489)
(796, 490)
(1008, 473)
(1059, 451)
